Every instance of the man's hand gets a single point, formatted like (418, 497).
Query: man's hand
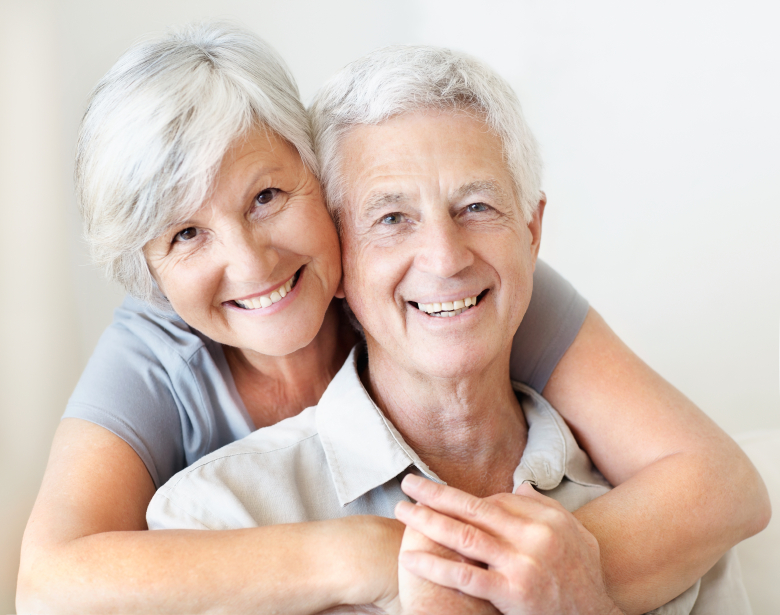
(419, 596)
(540, 559)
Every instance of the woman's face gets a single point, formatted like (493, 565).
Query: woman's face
(257, 266)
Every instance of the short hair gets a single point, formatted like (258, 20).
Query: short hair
(157, 127)
(403, 79)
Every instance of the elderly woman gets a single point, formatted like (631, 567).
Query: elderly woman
(198, 186)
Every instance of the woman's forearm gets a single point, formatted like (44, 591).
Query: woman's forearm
(685, 492)
(664, 528)
(292, 569)
(86, 548)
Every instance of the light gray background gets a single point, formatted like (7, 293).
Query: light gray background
(659, 127)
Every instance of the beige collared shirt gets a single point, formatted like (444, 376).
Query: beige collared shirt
(343, 457)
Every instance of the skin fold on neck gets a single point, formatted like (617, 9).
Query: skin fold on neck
(469, 430)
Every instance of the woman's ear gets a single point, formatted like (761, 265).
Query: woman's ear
(340, 290)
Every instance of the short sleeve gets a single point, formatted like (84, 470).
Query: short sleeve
(552, 321)
(126, 390)
(163, 388)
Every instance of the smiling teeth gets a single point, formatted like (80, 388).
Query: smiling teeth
(448, 308)
(264, 301)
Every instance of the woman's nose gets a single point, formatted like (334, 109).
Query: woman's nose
(249, 257)
(443, 249)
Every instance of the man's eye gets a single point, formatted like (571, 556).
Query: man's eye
(266, 196)
(477, 207)
(395, 218)
(185, 235)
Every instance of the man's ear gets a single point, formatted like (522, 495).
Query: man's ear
(535, 225)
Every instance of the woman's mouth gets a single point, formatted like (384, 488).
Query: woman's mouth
(264, 301)
(449, 308)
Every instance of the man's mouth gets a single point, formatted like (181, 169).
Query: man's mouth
(264, 301)
(449, 308)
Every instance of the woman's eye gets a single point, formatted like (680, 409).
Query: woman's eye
(394, 218)
(266, 196)
(477, 207)
(185, 235)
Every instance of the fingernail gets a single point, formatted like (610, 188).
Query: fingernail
(402, 506)
(412, 480)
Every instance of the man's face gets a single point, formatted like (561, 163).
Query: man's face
(431, 220)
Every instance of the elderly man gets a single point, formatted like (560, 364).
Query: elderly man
(433, 178)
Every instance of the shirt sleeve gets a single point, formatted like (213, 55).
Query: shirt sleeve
(552, 321)
(126, 390)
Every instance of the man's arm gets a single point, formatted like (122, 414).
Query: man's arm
(86, 548)
(685, 492)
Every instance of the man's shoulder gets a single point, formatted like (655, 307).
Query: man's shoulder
(254, 481)
(285, 437)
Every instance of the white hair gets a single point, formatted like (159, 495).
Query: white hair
(403, 79)
(157, 127)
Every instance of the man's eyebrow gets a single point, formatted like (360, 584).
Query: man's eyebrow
(488, 186)
(380, 200)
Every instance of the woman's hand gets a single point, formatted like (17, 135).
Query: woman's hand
(539, 558)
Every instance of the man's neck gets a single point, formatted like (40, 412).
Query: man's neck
(469, 430)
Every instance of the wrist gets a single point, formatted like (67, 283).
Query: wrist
(369, 557)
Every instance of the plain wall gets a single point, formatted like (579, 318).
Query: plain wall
(659, 128)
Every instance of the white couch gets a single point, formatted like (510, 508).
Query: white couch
(760, 555)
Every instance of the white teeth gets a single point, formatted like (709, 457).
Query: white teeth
(448, 308)
(265, 300)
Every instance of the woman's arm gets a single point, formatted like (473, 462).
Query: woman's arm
(684, 491)
(86, 550)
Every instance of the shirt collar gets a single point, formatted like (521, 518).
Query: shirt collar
(364, 450)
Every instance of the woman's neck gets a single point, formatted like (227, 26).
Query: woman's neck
(470, 430)
(275, 388)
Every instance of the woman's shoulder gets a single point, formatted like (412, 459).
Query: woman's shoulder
(163, 333)
(549, 326)
(162, 387)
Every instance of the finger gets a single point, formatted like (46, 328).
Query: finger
(472, 580)
(463, 538)
(453, 502)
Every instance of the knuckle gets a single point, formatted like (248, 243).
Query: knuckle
(543, 534)
(469, 536)
(475, 508)
(464, 575)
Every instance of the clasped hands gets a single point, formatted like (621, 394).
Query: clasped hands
(516, 554)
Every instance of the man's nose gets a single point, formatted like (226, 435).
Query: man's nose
(249, 257)
(443, 250)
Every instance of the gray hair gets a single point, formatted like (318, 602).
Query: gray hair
(402, 79)
(156, 130)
